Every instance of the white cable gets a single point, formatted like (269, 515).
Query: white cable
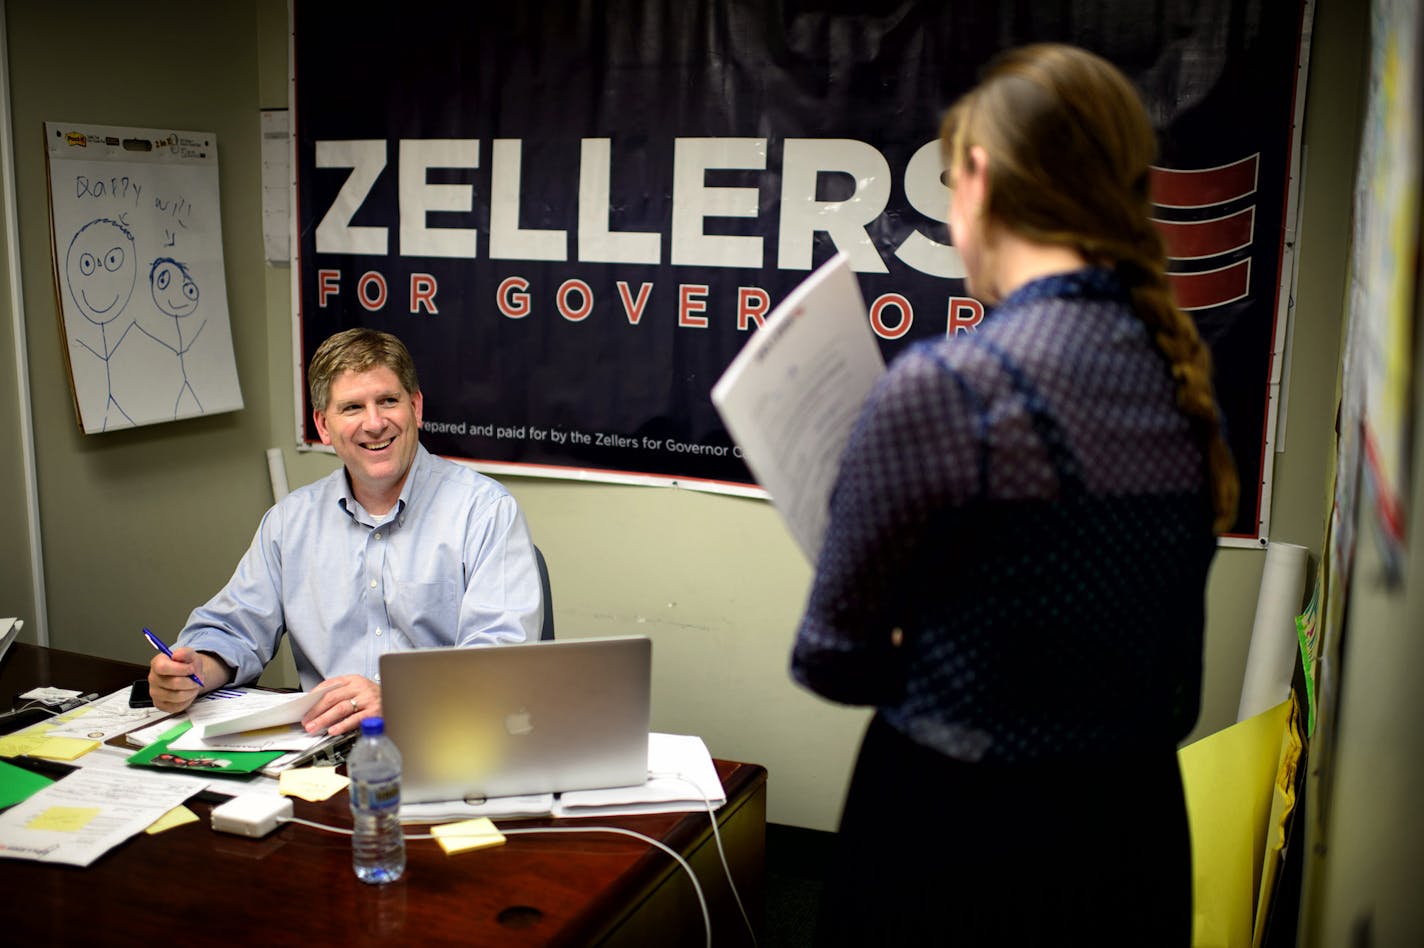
(320, 826)
(697, 886)
(36, 703)
(721, 850)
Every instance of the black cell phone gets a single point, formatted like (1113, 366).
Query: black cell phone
(139, 696)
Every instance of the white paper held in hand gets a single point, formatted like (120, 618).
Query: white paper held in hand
(792, 395)
(288, 710)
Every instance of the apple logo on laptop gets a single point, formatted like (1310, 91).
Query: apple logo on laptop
(519, 723)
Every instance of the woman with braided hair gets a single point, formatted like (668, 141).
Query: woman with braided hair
(1015, 567)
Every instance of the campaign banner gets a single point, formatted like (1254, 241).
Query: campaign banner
(575, 213)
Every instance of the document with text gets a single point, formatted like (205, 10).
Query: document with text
(791, 396)
(78, 818)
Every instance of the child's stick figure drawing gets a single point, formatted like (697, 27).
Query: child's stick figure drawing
(176, 294)
(101, 269)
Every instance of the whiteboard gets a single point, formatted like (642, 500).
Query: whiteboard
(136, 239)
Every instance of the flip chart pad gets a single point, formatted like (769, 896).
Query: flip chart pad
(136, 236)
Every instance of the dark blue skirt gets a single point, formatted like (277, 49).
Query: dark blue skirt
(934, 851)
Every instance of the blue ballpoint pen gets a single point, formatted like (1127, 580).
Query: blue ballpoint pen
(157, 643)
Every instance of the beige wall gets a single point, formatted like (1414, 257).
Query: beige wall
(141, 525)
(16, 587)
(135, 523)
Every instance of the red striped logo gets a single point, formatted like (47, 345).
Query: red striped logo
(1206, 186)
(1201, 240)
(1212, 287)
(1193, 240)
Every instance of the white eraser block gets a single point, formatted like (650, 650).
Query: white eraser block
(251, 816)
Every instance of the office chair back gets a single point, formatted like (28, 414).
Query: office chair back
(546, 631)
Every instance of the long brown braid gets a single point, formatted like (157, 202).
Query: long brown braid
(1069, 145)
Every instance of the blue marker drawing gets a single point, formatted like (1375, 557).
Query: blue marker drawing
(175, 293)
(101, 268)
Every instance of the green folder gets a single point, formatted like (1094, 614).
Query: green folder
(17, 784)
(221, 763)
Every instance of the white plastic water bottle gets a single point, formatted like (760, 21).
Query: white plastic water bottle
(374, 765)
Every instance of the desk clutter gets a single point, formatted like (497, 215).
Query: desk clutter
(554, 880)
(88, 777)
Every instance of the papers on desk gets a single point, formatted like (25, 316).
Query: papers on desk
(530, 806)
(290, 737)
(100, 719)
(683, 780)
(226, 718)
(73, 734)
(77, 819)
(9, 631)
(252, 711)
(82, 815)
(791, 396)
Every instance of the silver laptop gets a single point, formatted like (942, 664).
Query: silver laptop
(543, 717)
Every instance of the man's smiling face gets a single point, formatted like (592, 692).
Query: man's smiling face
(374, 426)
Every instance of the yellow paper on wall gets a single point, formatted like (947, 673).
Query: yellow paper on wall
(1230, 779)
(1283, 803)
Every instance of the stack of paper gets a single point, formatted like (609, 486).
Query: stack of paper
(681, 779)
(247, 720)
(83, 816)
(9, 629)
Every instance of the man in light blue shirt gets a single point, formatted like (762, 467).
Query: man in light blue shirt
(399, 549)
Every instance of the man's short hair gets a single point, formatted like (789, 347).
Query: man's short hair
(357, 350)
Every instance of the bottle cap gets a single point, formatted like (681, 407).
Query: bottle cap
(372, 727)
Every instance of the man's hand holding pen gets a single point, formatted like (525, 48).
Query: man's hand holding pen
(172, 681)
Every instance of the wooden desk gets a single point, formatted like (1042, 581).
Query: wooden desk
(296, 886)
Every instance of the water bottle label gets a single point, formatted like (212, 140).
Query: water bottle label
(380, 796)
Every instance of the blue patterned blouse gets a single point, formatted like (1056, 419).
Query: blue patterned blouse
(1028, 505)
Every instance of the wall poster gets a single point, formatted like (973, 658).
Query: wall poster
(136, 235)
(575, 213)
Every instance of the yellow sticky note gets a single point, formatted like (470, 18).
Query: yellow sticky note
(61, 748)
(177, 816)
(311, 783)
(467, 835)
(17, 745)
(63, 819)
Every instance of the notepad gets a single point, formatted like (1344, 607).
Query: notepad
(467, 835)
